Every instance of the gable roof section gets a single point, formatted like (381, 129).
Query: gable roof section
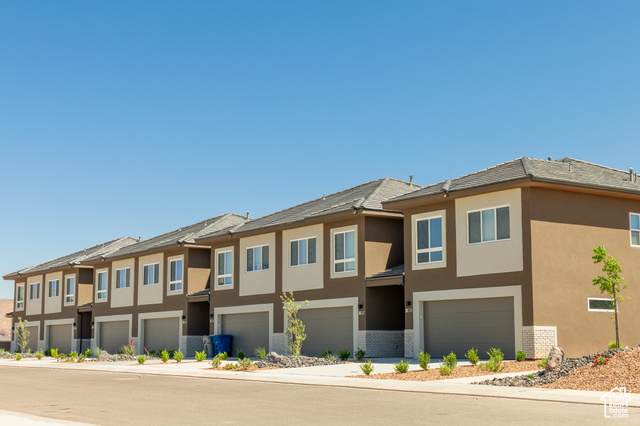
(369, 195)
(77, 257)
(567, 171)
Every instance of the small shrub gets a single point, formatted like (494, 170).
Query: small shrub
(178, 356)
(47, 352)
(18, 357)
(401, 367)
(520, 355)
(260, 352)
(230, 366)
(141, 359)
(600, 359)
(472, 356)
(215, 362)
(359, 354)
(244, 363)
(327, 353)
(367, 367)
(201, 356)
(223, 355)
(73, 355)
(54, 353)
(344, 354)
(612, 344)
(88, 353)
(531, 376)
(81, 357)
(62, 357)
(445, 369)
(450, 360)
(423, 360)
(39, 354)
(543, 362)
(495, 360)
(98, 352)
(164, 356)
(240, 354)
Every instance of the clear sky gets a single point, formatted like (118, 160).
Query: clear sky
(135, 118)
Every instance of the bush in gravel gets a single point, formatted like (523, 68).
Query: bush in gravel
(600, 359)
(223, 355)
(54, 353)
(39, 354)
(495, 361)
(359, 354)
(472, 356)
(450, 360)
(18, 357)
(612, 344)
(240, 354)
(164, 356)
(141, 359)
(129, 348)
(81, 358)
(401, 367)
(367, 367)
(215, 362)
(260, 352)
(73, 355)
(344, 354)
(88, 353)
(201, 356)
(244, 363)
(47, 352)
(423, 360)
(520, 355)
(98, 352)
(543, 362)
(445, 369)
(22, 334)
(178, 356)
(230, 366)
(327, 353)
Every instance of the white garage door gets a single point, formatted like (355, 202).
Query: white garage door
(113, 335)
(60, 337)
(163, 333)
(249, 331)
(327, 328)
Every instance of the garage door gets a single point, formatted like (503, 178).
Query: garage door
(60, 337)
(33, 339)
(162, 333)
(327, 328)
(113, 335)
(249, 331)
(458, 325)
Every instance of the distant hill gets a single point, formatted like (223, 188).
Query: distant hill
(6, 305)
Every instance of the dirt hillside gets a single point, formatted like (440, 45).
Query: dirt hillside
(6, 305)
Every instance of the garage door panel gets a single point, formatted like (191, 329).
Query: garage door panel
(113, 335)
(60, 337)
(33, 339)
(249, 331)
(327, 328)
(162, 333)
(458, 325)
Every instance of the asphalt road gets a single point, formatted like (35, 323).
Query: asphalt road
(112, 398)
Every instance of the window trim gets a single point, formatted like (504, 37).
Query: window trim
(291, 252)
(589, 299)
(631, 230)
(155, 276)
(127, 281)
(57, 283)
(333, 233)
(106, 285)
(66, 288)
(261, 247)
(31, 292)
(181, 281)
(494, 208)
(430, 249)
(18, 301)
(217, 253)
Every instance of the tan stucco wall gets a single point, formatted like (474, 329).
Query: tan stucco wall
(491, 257)
(153, 293)
(52, 304)
(122, 296)
(258, 282)
(303, 277)
(34, 307)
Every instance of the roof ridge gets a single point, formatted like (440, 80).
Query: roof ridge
(373, 193)
(564, 160)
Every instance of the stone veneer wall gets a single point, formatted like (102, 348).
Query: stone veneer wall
(381, 343)
(537, 341)
(408, 344)
(192, 344)
(279, 343)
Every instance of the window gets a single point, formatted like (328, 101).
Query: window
(345, 251)
(175, 275)
(34, 291)
(70, 290)
(600, 305)
(489, 225)
(151, 273)
(303, 252)
(20, 297)
(634, 224)
(429, 240)
(123, 278)
(225, 267)
(54, 288)
(257, 258)
(102, 285)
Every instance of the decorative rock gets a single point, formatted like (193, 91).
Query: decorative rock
(104, 356)
(554, 360)
(284, 361)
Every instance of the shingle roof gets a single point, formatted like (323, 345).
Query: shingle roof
(392, 272)
(200, 293)
(187, 234)
(78, 257)
(569, 171)
(369, 195)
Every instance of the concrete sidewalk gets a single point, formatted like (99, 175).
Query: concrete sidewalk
(332, 375)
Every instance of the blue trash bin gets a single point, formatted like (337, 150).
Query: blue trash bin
(221, 343)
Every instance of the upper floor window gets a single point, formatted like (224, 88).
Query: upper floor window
(303, 252)
(257, 258)
(54, 288)
(20, 297)
(429, 240)
(151, 273)
(175, 275)
(489, 225)
(345, 251)
(34, 291)
(634, 224)
(123, 278)
(600, 304)
(70, 290)
(225, 267)
(102, 285)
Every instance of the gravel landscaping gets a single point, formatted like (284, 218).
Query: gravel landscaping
(285, 361)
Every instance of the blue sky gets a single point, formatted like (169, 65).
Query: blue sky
(135, 118)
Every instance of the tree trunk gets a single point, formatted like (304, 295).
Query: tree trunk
(615, 312)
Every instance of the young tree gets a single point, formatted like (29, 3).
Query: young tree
(22, 334)
(295, 327)
(612, 284)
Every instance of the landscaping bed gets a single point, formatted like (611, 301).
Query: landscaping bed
(286, 361)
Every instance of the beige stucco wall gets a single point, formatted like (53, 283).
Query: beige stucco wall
(33, 307)
(258, 282)
(52, 304)
(302, 277)
(122, 296)
(495, 256)
(150, 294)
